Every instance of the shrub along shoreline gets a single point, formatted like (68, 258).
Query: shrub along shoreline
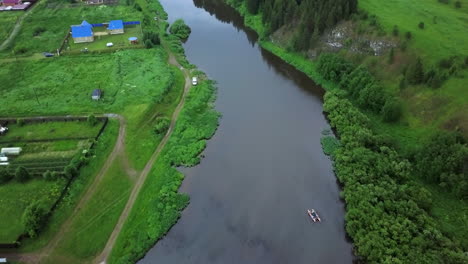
(387, 211)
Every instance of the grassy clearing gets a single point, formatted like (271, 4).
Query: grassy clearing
(51, 131)
(54, 23)
(15, 197)
(444, 34)
(7, 20)
(63, 85)
(142, 139)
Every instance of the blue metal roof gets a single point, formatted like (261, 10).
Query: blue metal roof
(82, 31)
(85, 23)
(115, 24)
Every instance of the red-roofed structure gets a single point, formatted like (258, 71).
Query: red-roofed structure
(11, 2)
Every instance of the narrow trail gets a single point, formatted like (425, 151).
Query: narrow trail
(102, 258)
(17, 27)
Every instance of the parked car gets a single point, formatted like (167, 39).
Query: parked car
(110, 44)
(194, 81)
(48, 54)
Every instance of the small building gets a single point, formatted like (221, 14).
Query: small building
(11, 151)
(96, 95)
(12, 2)
(116, 27)
(82, 33)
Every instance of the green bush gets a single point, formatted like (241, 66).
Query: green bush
(149, 44)
(22, 174)
(5, 176)
(38, 31)
(180, 29)
(20, 122)
(392, 110)
(92, 120)
(34, 218)
(162, 124)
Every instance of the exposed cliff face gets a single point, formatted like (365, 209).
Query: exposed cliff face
(342, 36)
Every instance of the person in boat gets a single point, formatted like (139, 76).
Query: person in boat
(314, 214)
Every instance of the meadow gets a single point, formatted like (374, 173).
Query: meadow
(63, 85)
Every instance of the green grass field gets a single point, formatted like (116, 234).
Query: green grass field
(64, 85)
(444, 35)
(445, 32)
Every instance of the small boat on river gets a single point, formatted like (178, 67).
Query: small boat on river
(313, 215)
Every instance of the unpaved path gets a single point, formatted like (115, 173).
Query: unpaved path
(102, 258)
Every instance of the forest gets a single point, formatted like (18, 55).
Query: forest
(314, 16)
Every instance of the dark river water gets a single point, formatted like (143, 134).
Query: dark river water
(264, 167)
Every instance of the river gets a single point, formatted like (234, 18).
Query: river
(264, 167)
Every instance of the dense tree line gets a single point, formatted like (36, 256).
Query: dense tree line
(360, 85)
(310, 17)
(444, 160)
(386, 214)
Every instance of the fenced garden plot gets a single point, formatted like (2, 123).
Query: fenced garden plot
(15, 197)
(101, 38)
(50, 146)
(44, 30)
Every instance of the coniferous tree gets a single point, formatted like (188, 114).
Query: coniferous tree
(415, 72)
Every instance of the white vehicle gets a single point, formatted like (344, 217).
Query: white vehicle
(3, 130)
(3, 159)
(110, 44)
(194, 81)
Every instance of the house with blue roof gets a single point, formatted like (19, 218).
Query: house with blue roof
(82, 33)
(116, 27)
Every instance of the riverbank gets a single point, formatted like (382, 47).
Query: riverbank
(367, 218)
